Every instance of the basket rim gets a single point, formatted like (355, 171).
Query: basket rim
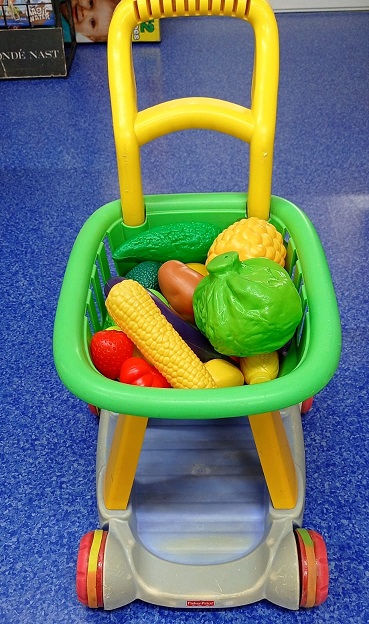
(309, 377)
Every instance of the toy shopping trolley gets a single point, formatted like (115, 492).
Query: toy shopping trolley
(200, 491)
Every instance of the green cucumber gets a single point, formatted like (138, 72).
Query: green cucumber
(184, 241)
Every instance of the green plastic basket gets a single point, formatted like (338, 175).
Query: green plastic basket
(307, 364)
(312, 356)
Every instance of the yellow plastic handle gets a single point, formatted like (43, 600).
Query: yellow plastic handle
(133, 128)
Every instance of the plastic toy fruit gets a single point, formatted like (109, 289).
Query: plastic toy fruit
(138, 372)
(177, 282)
(199, 267)
(109, 349)
(225, 374)
(188, 242)
(251, 238)
(246, 308)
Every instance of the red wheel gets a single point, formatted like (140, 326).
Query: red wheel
(82, 566)
(303, 567)
(94, 410)
(90, 569)
(313, 562)
(306, 555)
(322, 569)
(307, 405)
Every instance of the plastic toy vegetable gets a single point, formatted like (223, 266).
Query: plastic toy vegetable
(260, 368)
(199, 344)
(132, 308)
(116, 279)
(246, 308)
(177, 282)
(146, 273)
(109, 349)
(188, 242)
(138, 372)
(251, 238)
(225, 374)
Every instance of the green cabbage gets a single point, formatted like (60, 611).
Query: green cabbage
(246, 308)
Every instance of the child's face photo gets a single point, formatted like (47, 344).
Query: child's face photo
(92, 17)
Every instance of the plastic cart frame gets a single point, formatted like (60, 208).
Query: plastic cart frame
(115, 567)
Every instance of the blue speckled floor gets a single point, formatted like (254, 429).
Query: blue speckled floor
(57, 166)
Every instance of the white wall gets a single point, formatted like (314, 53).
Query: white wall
(318, 5)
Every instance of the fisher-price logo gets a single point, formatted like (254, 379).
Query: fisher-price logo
(200, 603)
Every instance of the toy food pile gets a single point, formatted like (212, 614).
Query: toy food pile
(202, 308)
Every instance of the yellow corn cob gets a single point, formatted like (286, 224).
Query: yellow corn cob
(251, 238)
(259, 368)
(134, 311)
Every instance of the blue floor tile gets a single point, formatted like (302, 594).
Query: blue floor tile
(58, 165)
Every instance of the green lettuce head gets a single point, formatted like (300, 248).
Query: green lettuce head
(246, 308)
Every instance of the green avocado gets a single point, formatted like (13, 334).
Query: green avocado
(246, 308)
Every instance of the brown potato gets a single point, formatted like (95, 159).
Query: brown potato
(177, 282)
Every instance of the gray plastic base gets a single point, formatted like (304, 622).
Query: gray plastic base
(200, 530)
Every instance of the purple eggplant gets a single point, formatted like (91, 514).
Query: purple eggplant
(199, 344)
(111, 282)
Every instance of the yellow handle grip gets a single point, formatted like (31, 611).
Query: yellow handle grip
(133, 128)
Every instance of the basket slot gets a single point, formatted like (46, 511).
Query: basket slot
(295, 350)
(102, 263)
(94, 321)
(99, 299)
(113, 238)
(297, 276)
(95, 304)
(291, 255)
(303, 329)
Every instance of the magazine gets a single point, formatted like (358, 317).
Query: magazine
(92, 19)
